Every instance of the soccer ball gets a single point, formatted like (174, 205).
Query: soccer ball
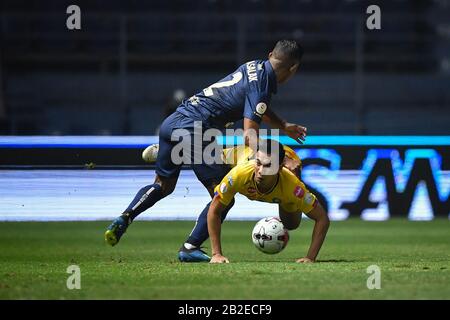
(270, 236)
(150, 153)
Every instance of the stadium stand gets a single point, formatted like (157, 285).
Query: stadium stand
(126, 61)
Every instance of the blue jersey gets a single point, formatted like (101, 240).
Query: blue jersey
(246, 93)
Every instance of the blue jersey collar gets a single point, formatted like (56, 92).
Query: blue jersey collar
(272, 77)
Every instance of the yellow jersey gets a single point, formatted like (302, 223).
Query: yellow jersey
(242, 154)
(289, 192)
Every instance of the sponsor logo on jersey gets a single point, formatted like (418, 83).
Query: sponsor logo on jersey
(309, 199)
(194, 100)
(261, 108)
(223, 187)
(298, 192)
(230, 180)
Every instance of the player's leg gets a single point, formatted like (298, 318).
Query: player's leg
(144, 199)
(150, 194)
(166, 178)
(191, 250)
(199, 233)
(290, 220)
(210, 176)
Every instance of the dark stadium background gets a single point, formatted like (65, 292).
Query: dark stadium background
(120, 73)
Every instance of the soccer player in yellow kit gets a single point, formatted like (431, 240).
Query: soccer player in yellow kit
(257, 180)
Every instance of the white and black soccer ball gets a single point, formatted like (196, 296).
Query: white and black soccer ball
(150, 153)
(270, 236)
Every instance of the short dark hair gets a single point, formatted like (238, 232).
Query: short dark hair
(269, 146)
(290, 49)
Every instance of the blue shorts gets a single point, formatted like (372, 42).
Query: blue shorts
(208, 174)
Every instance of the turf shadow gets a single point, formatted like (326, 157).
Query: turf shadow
(335, 261)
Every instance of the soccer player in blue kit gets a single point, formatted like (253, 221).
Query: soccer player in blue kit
(244, 94)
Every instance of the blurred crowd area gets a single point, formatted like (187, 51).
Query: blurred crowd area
(133, 62)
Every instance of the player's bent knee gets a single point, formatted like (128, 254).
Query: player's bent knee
(291, 221)
(291, 225)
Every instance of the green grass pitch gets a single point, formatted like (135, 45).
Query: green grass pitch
(414, 258)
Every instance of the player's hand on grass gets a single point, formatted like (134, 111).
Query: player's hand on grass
(304, 260)
(295, 131)
(218, 258)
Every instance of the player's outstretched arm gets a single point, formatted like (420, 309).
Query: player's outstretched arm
(251, 133)
(214, 227)
(321, 225)
(293, 130)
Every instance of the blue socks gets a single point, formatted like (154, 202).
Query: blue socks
(144, 199)
(200, 232)
(149, 195)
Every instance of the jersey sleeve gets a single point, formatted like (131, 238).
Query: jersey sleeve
(226, 190)
(257, 100)
(309, 202)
